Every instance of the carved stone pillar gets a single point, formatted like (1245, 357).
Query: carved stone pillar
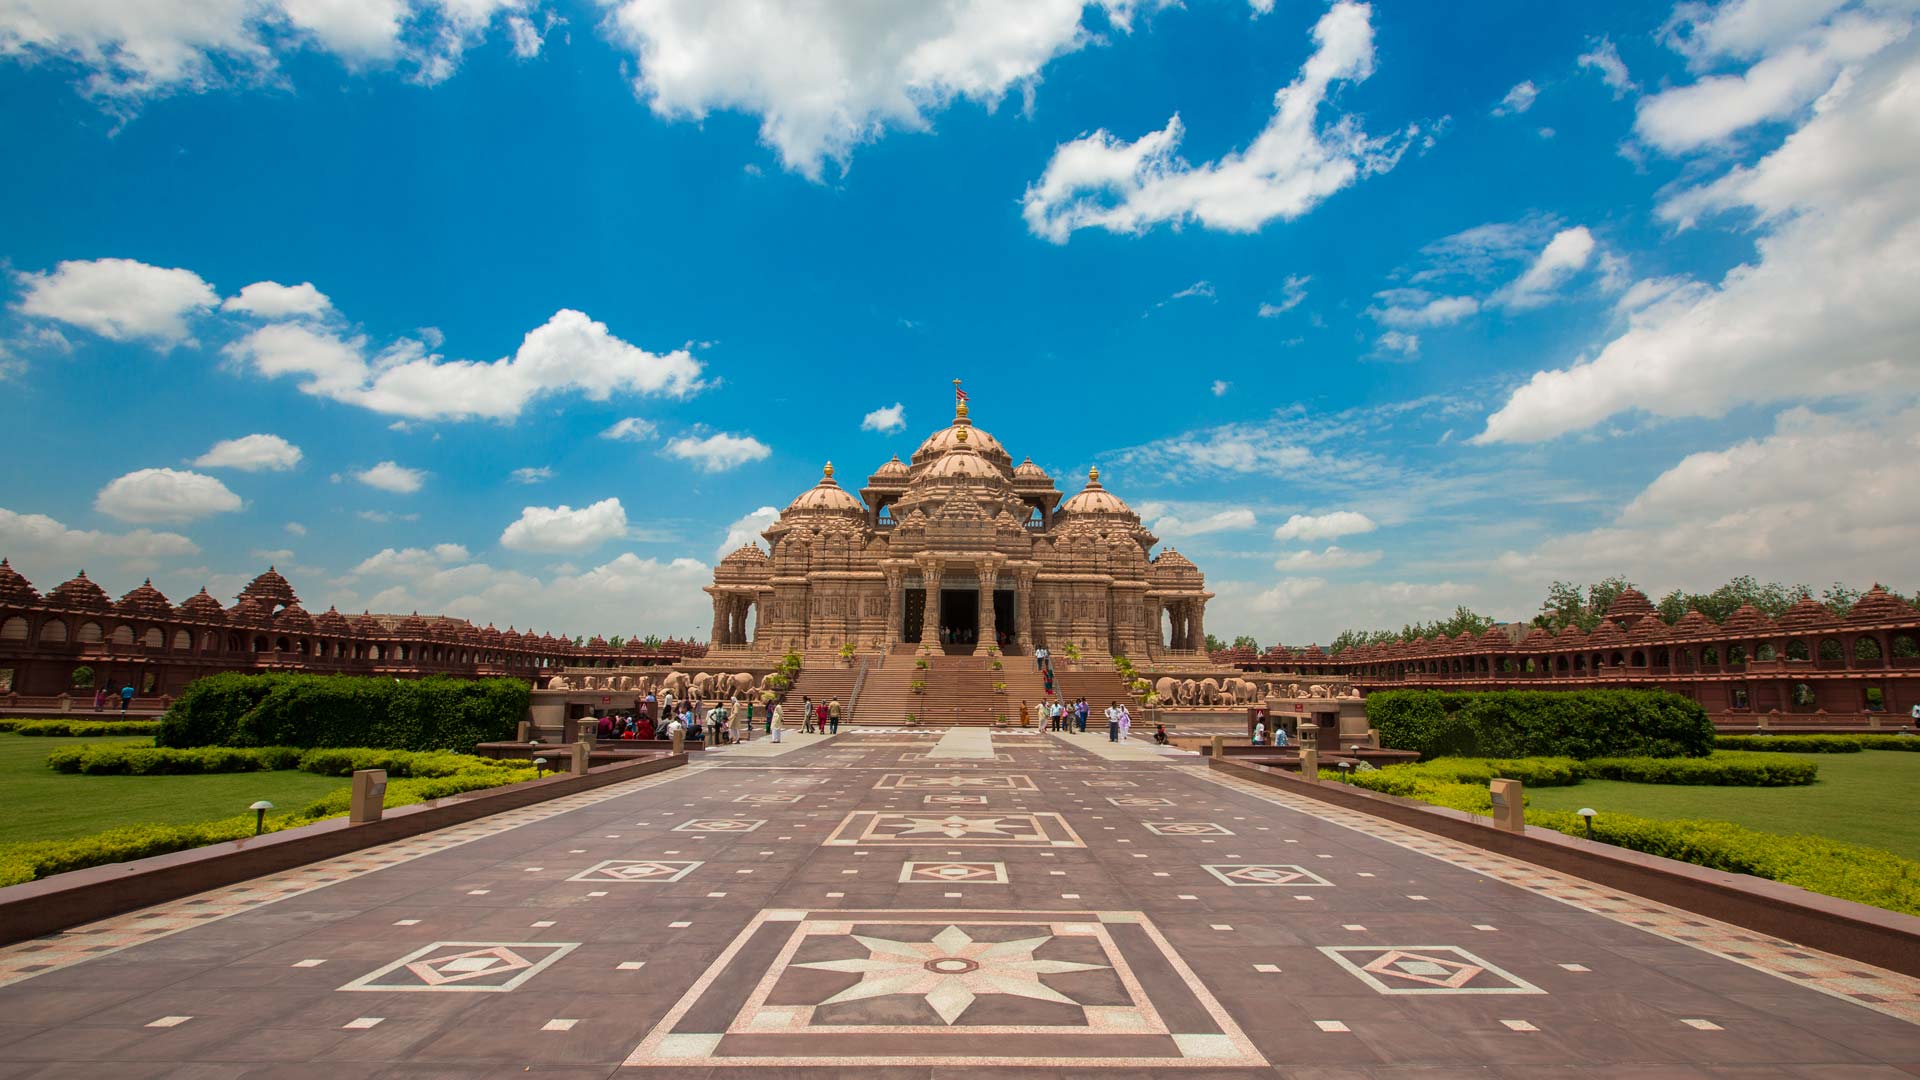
(989, 576)
(930, 618)
(896, 615)
(1198, 628)
(719, 635)
(1023, 613)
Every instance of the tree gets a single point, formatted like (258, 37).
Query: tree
(1245, 641)
(652, 641)
(1214, 644)
(616, 641)
(1567, 605)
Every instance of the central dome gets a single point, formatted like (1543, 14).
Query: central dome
(950, 438)
(826, 496)
(1094, 499)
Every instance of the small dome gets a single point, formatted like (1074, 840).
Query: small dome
(333, 623)
(490, 635)
(894, 469)
(1630, 605)
(249, 611)
(294, 619)
(79, 593)
(965, 463)
(146, 601)
(826, 496)
(1807, 614)
(745, 555)
(1693, 622)
(1170, 559)
(1878, 605)
(15, 590)
(412, 626)
(1095, 499)
(1029, 473)
(271, 590)
(202, 608)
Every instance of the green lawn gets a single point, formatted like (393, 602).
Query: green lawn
(1861, 798)
(37, 803)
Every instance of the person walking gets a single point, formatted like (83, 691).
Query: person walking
(1113, 721)
(1126, 723)
(1040, 659)
(1026, 714)
(1279, 735)
(1080, 711)
(806, 715)
(99, 697)
(833, 717)
(126, 698)
(1259, 734)
(775, 725)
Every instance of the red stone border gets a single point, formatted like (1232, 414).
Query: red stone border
(1872, 935)
(81, 896)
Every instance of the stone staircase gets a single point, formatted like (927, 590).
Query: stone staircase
(823, 677)
(1097, 681)
(959, 691)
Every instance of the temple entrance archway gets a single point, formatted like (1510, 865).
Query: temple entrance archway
(959, 619)
(914, 618)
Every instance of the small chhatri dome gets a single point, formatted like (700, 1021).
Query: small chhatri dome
(826, 496)
(294, 619)
(1028, 472)
(203, 608)
(15, 589)
(964, 463)
(1630, 606)
(894, 469)
(745, 554)
(1094, 499)
(270, 591)
(146, 601)
(79, 593)
(332, 622)
(1878, 605)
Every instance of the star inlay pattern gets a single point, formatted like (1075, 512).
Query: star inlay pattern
(932, 827)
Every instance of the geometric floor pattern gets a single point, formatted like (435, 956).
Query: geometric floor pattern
(1046, 911)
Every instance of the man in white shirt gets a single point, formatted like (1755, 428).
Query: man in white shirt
(1113, 721)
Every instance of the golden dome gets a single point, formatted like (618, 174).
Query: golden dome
(1095, 499)
(826, 496)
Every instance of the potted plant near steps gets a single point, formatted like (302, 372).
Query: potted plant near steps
(912, 720)
(846, 653)
(918, 686)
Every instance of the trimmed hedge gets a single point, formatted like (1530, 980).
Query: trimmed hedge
(152, 761)
(1817, 744)
(1541, 723)
(37, 859)
(1848, 871)
(435, 713)
(81, 728)
(1722, 769)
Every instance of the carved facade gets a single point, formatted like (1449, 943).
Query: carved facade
(958, 549)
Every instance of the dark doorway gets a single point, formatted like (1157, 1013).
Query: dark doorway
(1003, 608)
(916, 615)
(959, 617)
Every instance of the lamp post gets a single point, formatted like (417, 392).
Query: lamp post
(1586, 814)
(260, 815)
(1346, 772)
(539, 764)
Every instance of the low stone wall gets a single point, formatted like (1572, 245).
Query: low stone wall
(1870, 935)
(82, 896)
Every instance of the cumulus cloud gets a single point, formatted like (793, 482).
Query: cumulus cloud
(1295, 163)
(1220, 387)
(131, 51)
(886, 420)
(1292, 292)
(1408, 308)
(1334, 557)
(294, 528)
(392, 476)
(119, 299)
(1397, 341)
(1170, 526)
(1836, 267)
(532, 474)
(746, 530)
(1518, 100)
(401, 562)
(1601, 56)
(164, 495)
(631, 429)
(718, 452)
(1565, 255)
(825, 78)
(251, 453)
(562, 529)
(1302, 610)
(39, 546)
(272, 300)
(1328, 526)
(569, 352)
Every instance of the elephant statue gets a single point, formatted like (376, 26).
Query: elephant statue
(1316, 690)
(1243, 691)
(675, 683)
(702, 683)
(1293, 689)
(559, 682)
(740, 683)
(642, 684)
(1168, 689)
(1209, 691)
(1189, 691)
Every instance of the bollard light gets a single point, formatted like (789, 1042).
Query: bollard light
(1346, 772)
(1586, 814)
(539, 763)
(260, 815)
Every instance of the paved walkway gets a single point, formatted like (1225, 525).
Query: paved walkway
(858, 905)
(964, 742)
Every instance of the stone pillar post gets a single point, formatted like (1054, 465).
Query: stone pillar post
(989, 576)
(1023, 612)
(930, 618)
(896, 614)
(719, 634)
(1197, 629)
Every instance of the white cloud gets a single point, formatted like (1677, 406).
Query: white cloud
(570, 352)
(392, 476)
(1484, 251)
(1564, 256)
(1604, 58)
(532, 474)
(1825, 309)
(1198, 288)
(1169, 526)
(889, 419)
(826, 77)
(1292, 292)
(295, 528)
(631, 429)
(1334, 557)
(1395, 341)
(251, 453)
(164, 495)
(1260, 7)
(1518, 100)
(1328, 526)
(1416, 308)
(382, 517)
(718, 452)
(1783, 82)
(1814, 500)
(130, 51)
(119, 299)
(1100, 181)
(39, 546)
(746, 530)
(272, 300)
(562, 529)
(402, 562)
(1220, 387)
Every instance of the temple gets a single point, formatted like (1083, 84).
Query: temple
(956, 550)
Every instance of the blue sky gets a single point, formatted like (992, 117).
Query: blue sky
(522, 310)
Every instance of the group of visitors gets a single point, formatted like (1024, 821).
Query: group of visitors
(103, 695)
(718, 723)
(1057, 715)
(823, 717)
(1260, 734)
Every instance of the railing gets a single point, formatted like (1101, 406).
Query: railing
(853, 696)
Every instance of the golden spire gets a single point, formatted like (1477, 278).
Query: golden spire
(959, 403)
(1093, 475)
(828, 471)
(961, 434)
